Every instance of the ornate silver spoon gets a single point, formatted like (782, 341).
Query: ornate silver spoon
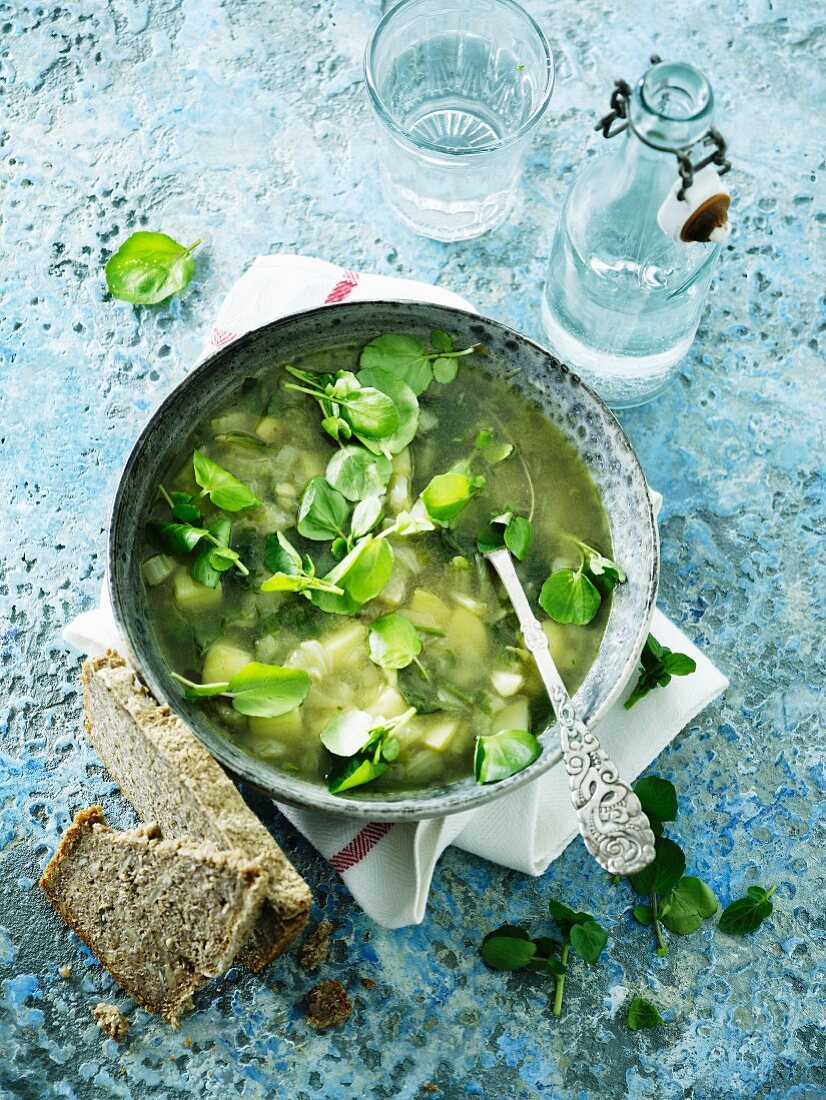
(615, 830)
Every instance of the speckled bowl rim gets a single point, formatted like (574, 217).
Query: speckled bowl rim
(283, 787)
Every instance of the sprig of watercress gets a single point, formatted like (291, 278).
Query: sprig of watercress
(149, 268)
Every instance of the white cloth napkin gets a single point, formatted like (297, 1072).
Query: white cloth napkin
(389, 867)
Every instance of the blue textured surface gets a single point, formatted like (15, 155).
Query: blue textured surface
(246, 124)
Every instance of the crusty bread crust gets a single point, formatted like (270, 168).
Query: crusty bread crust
(164, 916)
(170, 778)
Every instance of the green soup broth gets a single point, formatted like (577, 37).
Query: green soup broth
(271, 440)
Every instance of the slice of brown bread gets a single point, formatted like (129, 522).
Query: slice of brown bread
(170, 778)
(163, 916)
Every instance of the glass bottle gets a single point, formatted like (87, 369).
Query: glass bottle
(623, 299)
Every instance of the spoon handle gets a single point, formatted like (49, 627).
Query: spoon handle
(615, 830)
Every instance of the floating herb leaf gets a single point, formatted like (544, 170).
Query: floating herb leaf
(366, 515)
(659, 664)
(747, 914)
(257, 690)
(492, 449)
(447, 494)
(407, 407)
(223, 488)
(175, 538)
(503, 754)
(149, 268)
(290, 572)
(356, 473)
(323, 512)
(362, 746)
(393, 641)
(569, 597)
(410, 360)
(183, 506)
(508, 530)
(642, 1013)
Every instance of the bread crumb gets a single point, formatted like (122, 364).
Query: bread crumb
(65, 971)
(430, 1088)
(111, 1020)
(316, 946)
(187, 1043)
(328, 1004)
(368, 983)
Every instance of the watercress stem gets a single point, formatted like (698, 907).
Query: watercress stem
(560, 980)
(454, 354)
(191, 683)
(166, 496)
(192, 247)
(662, 948)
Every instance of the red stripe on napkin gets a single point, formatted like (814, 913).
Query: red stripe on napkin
(219, 337)
(343, 288)
(355, 851)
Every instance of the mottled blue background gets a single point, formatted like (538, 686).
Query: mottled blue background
(246, 124)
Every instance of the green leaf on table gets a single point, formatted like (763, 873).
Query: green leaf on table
(664, 872)
(149, 268)
(503, 754)
(747, 914)
(323, 512)
(402, 356)
(393, 641)
(644, 914)
(447, 494)
(659, 664)
(588, 939)
(348, 732)
(407, 407)
(223, 488)
(569, 597)
(366, 515)
(356, 473)
(686, 906)
(642, 1013)
(658, 798)
(508, 948)
(268, 691)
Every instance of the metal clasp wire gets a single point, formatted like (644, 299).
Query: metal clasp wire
(687, 169)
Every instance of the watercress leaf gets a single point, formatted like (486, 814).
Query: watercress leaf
(353, 772)
(413, 522)
(268, 691)
(518, 537)
(370, 413)
(564, 917)
(243, 439)
(545, 946)
(407, 406)
(357, 473)
(445, 370)
(491, 449)
(588, 939)
(184, 507)
(643, 913)
(285, 582)
(402, 356)
(601, 566)
(323, 511)
(393, 641)
(175, 538)
(658, 797)
(224, 490)
(569, 597)
(680, 664)
(748, 913)
(370, 571)
(366, 515)
(207, 569)
(441, 340)
(504, 754)
(491, 537)
(348, 732)
(280, 555)
(642, 1013)
(687, 905)
(336, 427)
(513, 931)
(552, 966)
(507, 952)
(665, 870)
(446, 495)
(205, 691)
(390, 749)
(149, 268)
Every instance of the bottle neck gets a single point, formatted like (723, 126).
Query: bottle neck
(672, 106)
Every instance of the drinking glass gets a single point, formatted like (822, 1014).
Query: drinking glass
(458, 89)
